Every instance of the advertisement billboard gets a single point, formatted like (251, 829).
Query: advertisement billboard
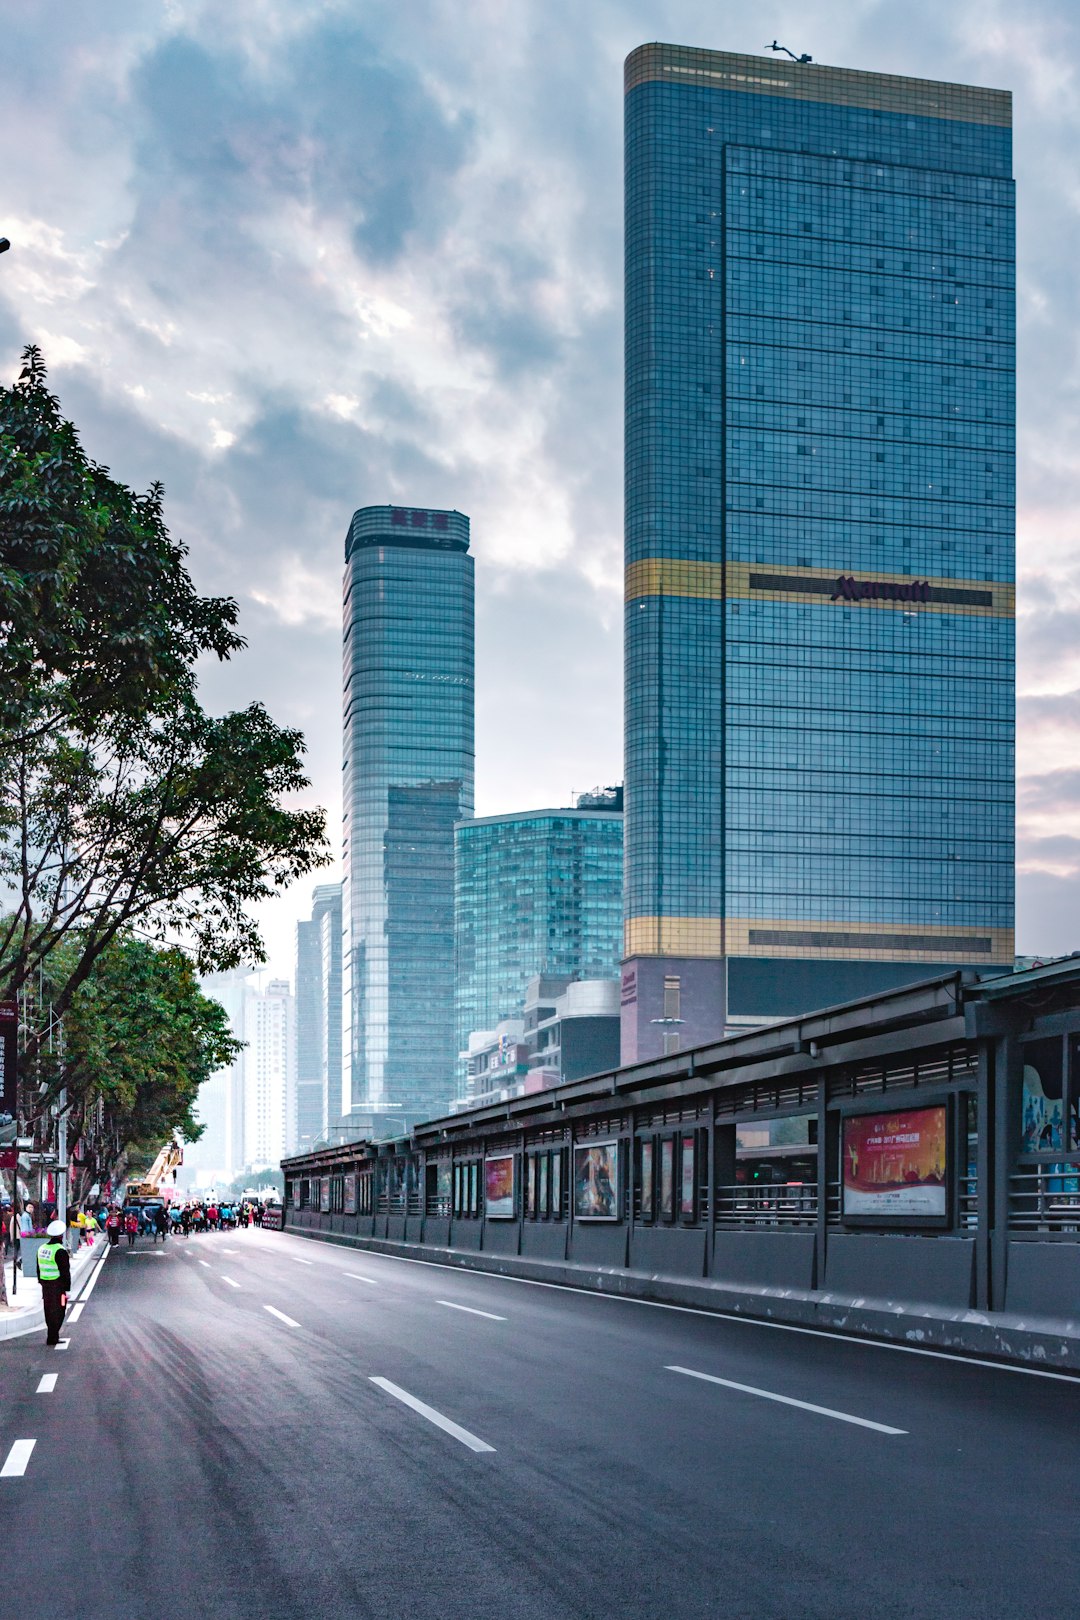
(499, 1187)
(895, 1165)
(596, 1181)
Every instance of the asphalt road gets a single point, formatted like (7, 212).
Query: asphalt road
(218, 1445)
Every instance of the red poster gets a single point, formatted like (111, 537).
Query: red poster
(894, 1164)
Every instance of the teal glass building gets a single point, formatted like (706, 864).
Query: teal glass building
(535, 893)
(408, 777)
(819, 537)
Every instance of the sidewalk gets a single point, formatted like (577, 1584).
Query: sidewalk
(26, 1315)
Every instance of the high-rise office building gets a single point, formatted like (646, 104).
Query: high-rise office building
(408, 777)
(318, 1018)
(535, 893)
(819, 537)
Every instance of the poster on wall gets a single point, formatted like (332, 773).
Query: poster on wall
(647, 1180)
(350, 1195)
(499, 1187)
(556, 1185)
(894, 1165)
(686, 1195)
(543, 1190)
(667, 1179)
(596, 1181)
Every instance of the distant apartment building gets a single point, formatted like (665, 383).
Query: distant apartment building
(535, 893)
(408, 777)
(218, 1155)
(318, 1018)
(269, 1084)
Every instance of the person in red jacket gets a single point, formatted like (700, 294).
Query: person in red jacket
(131, 1227)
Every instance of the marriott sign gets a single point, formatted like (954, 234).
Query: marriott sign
(849, 589)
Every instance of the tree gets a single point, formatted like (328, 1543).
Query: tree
(123, 804)
(139, 1039)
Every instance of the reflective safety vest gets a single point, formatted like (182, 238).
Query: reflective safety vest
(47, 1268)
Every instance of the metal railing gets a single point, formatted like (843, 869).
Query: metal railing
(774, 1204)
(1046, 1197)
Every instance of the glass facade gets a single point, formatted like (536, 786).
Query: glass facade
(538, 893)
(318, 1018)
(819, 528)
(408, 777)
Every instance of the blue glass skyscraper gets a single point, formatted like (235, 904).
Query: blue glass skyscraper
(408, 777)
(539, 892)
(819, 536)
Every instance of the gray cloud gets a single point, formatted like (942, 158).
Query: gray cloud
(1054, 791)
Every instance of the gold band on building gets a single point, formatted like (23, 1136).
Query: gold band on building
(864, 589)
(838, 941)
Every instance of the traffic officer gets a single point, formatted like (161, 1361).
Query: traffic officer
(54, 1275)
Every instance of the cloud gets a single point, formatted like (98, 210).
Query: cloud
(1057, 791)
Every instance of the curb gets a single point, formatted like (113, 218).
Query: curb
(26, 1319)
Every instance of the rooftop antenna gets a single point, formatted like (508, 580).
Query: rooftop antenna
(775, 46)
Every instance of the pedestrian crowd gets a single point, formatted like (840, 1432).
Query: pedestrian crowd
(154, 1220)
(180, 1220)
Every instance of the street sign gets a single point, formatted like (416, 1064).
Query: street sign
(9, 1043)
(24, 1143)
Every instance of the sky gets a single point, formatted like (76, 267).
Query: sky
(292, 257)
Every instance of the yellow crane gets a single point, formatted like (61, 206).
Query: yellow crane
(170, 1156)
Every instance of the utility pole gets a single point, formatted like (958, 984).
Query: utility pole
(61, 1159)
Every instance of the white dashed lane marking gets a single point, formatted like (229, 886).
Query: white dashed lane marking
(471, 1310)
(17, 1458)
(281, 1316)
(446, 1424)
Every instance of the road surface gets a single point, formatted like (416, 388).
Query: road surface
(255, 1426)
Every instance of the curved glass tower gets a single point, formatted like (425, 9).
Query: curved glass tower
(408, 777)
(819, 537)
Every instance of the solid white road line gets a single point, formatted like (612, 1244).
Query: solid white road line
(296, 1258)
(281, 1316)
(230, 1251)
(63, 1344)
(48, 1384)
(432, 1416)
(84, 1293)
(471, 1310)
(786, 1400)
(230, 1282)
(957, 1358)
(17, 1458)
(356, 1277)
(158, 1253)
(76, 1311)
(205, 1263)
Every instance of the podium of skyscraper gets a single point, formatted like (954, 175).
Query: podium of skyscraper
(819, 537)
(408, 776)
